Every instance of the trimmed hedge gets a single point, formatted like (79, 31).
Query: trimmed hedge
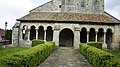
(36, 42)
(95, 44)
(97, 57)
(28, 58)
(114, 62)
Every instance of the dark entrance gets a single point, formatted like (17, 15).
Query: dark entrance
(66, 38)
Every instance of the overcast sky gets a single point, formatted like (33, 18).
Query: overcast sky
(10, 10)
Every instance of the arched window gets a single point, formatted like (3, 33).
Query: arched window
(24, 32)
(32, 33)
(109, 38)
(41, 33)
(100, 35)
(83, 35)
(92, 35)
(49, 34)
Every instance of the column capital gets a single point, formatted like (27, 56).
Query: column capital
(96, 31)
(28, 29)
(36, 29)
(88, 31)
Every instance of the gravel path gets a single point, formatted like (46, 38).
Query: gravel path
(65, 57)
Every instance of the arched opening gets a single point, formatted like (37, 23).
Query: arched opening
(41, 33)
(109, 38)
(92, 35)
(49, 34)
(83, 35)
(100, 35)
(24, 32)
(32, 33)
(66, 38)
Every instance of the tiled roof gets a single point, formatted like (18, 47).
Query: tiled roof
(2, 32)
(58, 16)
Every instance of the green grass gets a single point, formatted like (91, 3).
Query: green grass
(116, 53)
(8, 51)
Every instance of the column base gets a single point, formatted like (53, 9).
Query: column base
(104, 46)
(45, 40)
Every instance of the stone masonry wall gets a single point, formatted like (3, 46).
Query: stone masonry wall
(77, 6)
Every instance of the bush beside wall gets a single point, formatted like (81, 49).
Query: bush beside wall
(97, 57)
(36, 42)
(95, 44)
(28, 58)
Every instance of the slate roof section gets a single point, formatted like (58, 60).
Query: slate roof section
(59, 16)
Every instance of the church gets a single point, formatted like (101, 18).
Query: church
(68, 23)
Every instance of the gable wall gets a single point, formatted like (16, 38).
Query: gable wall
(71, 6)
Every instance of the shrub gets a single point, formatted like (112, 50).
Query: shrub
(95, 44)
(114, 62)
(97, 57)
(36, 42)
(30, 57)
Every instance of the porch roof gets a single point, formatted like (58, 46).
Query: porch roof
(59, 16)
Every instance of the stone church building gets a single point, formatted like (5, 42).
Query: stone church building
(68, 23)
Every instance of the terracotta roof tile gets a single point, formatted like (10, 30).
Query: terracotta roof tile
(58, 16)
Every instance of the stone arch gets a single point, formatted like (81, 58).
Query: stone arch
(24, 32)
(66, 38)
(100, 35)
(92, 35)
(41, 32)
(49, 34)
(83, 35)
(32, 32)
(109, 38)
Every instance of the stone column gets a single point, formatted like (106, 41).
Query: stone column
(87, 36)
(45, 35)
(96, 38)
(76, 38)
(56, 34)
(21, 35)
(28, 35)
(36, 34)
(104, 44)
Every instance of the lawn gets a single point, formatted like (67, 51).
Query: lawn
(7, 51)
(116, 53)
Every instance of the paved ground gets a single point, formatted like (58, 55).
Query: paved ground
(65, 57)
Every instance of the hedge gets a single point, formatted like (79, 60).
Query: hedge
(36, 42)
(95, 44)
(28, 58)
(97, 57)
(114, 62)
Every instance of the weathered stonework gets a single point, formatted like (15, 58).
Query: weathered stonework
(78, 17)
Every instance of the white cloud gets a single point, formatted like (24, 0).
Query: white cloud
(113, 7)
(10, 10)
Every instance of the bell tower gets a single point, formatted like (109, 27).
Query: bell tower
(82, 6)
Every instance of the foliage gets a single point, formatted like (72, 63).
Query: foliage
(115, 52)
(36, 42)
(7, 51)
(29, 57)
(97, 57)
(95, 44)
(9, 35)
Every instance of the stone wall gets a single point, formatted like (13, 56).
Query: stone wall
(77, 6)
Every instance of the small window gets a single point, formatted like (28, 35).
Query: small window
(82, 3)
(60, 6)
(95, 2)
